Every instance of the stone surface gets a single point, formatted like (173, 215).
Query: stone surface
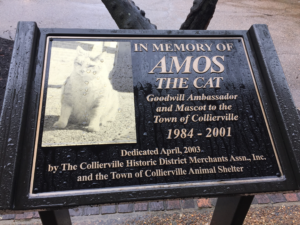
(125, 208)
(91, 210)
(8, 216)
(291, 197)
(173, 204)
(204, 203)
(28, 215)
(20, 216)
(268, 213)
(156, 206)
(141, 206)
(257, 215)
(275, 198)
(36, 215)
(108, 209)
(254, 201)
(187, 203)
(262, 199)
(213, 201)
(76, 211)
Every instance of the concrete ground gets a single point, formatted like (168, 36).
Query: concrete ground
(265, 209)
(283, 19)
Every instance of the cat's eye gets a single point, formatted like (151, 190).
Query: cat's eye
(91, 66)
(78, 63)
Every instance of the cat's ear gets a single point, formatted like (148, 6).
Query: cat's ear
(96, 52)
(80, 50)
(95, 57)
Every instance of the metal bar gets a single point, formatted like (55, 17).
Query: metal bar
(14, 109)
(56, 217)
(276, 84)
(231, 210)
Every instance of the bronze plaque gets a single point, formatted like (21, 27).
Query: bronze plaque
(140, 113)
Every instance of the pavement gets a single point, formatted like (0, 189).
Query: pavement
(265, 209)
(283, 20)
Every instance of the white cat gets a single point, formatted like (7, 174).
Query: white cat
(88, 97)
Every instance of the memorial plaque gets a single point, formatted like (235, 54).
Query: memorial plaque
(196, 115)
(95, 116)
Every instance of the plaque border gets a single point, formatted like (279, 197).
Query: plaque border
(147, 186)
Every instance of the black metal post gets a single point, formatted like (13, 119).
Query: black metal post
(231, 210)
(56, 217)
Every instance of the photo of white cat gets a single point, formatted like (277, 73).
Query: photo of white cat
(87, 93)
(82, 106)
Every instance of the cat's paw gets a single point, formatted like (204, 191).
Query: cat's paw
(93, 128)
(59, 124)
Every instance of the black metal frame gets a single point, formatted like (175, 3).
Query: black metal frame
(55, 217)
(278, 104)
(231, 210)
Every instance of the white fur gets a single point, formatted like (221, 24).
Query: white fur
(88, 97)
